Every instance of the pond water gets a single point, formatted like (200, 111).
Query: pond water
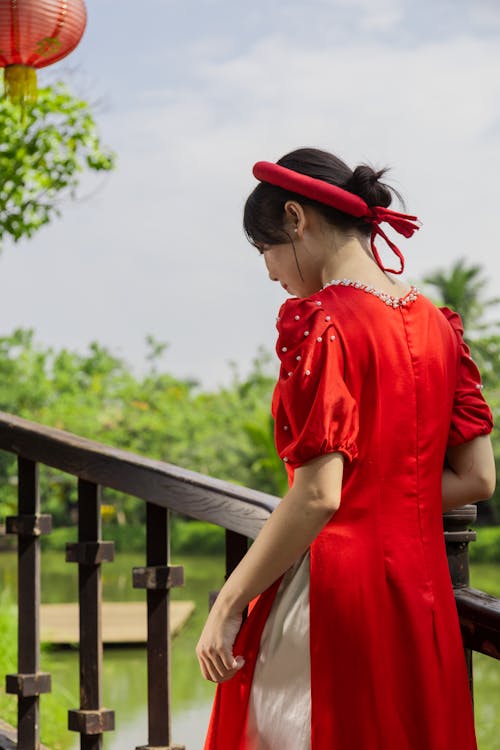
(124, 670)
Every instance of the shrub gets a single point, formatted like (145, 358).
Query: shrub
(487, 546)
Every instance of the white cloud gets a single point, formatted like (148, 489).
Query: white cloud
(381, 16)
(485, 15)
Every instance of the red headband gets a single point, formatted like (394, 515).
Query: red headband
(342, 200)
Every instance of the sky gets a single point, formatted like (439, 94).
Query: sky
(189, 94)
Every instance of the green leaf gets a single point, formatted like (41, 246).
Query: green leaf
(42, 154)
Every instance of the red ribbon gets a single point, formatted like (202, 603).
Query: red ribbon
(342, 200)
(404, 224)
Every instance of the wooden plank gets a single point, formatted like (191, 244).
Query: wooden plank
(457, 537)
(91, 719)
(28, 634)
(90, 598)
(228, 505)
(122, 622)
(158, 553)
(29, 572)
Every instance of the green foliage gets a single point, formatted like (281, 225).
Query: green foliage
(44, 147)
(266, 466)
(8, 657)
(226, 433)
(461, 289)
(57, 539)
(486, 548)
(8, 637)
(197, 538)
(187, 537)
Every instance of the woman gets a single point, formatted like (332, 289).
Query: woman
(354, 642)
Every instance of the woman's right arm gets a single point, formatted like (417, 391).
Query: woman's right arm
(469, 475)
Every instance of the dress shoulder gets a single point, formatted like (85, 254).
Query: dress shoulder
(471, 415)
(454, 320)
(313, 409)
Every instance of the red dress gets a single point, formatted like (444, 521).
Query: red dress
(390, 384)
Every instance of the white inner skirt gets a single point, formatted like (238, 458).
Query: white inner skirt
(279, 716)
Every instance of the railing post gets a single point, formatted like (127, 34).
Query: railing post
(29, 683)
(236, 549)
(91, 720)
(158, 577)
(236, 546)
(457, 536)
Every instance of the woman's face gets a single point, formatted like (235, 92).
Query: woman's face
(283, 262)
(297, 262)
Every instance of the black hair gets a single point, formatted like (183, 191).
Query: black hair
(264, 214)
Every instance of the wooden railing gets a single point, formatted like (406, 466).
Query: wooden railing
(479, 613)
(162, 487)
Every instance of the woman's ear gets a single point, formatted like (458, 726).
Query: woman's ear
(295, 218)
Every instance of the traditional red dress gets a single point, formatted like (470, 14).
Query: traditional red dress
(390, 384)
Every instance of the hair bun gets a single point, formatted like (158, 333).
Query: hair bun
(365, 183)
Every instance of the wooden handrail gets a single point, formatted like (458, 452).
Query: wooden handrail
(477, 611)
(479, 615)
(196, 495)
(163, 487)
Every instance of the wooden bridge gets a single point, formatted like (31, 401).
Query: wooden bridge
(163, 487)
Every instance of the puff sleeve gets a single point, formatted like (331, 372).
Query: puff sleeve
(314, 411)
(471, 415)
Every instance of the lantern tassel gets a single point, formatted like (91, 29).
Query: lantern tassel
(20, 83)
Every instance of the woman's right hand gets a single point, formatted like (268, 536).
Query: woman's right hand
(215, 647)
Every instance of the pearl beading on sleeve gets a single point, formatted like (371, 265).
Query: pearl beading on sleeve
(293, 355)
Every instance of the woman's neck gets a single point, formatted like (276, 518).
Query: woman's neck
(353, 259)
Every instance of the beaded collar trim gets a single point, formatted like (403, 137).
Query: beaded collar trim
(388, 299)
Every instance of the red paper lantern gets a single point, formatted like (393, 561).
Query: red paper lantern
(33, 34)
